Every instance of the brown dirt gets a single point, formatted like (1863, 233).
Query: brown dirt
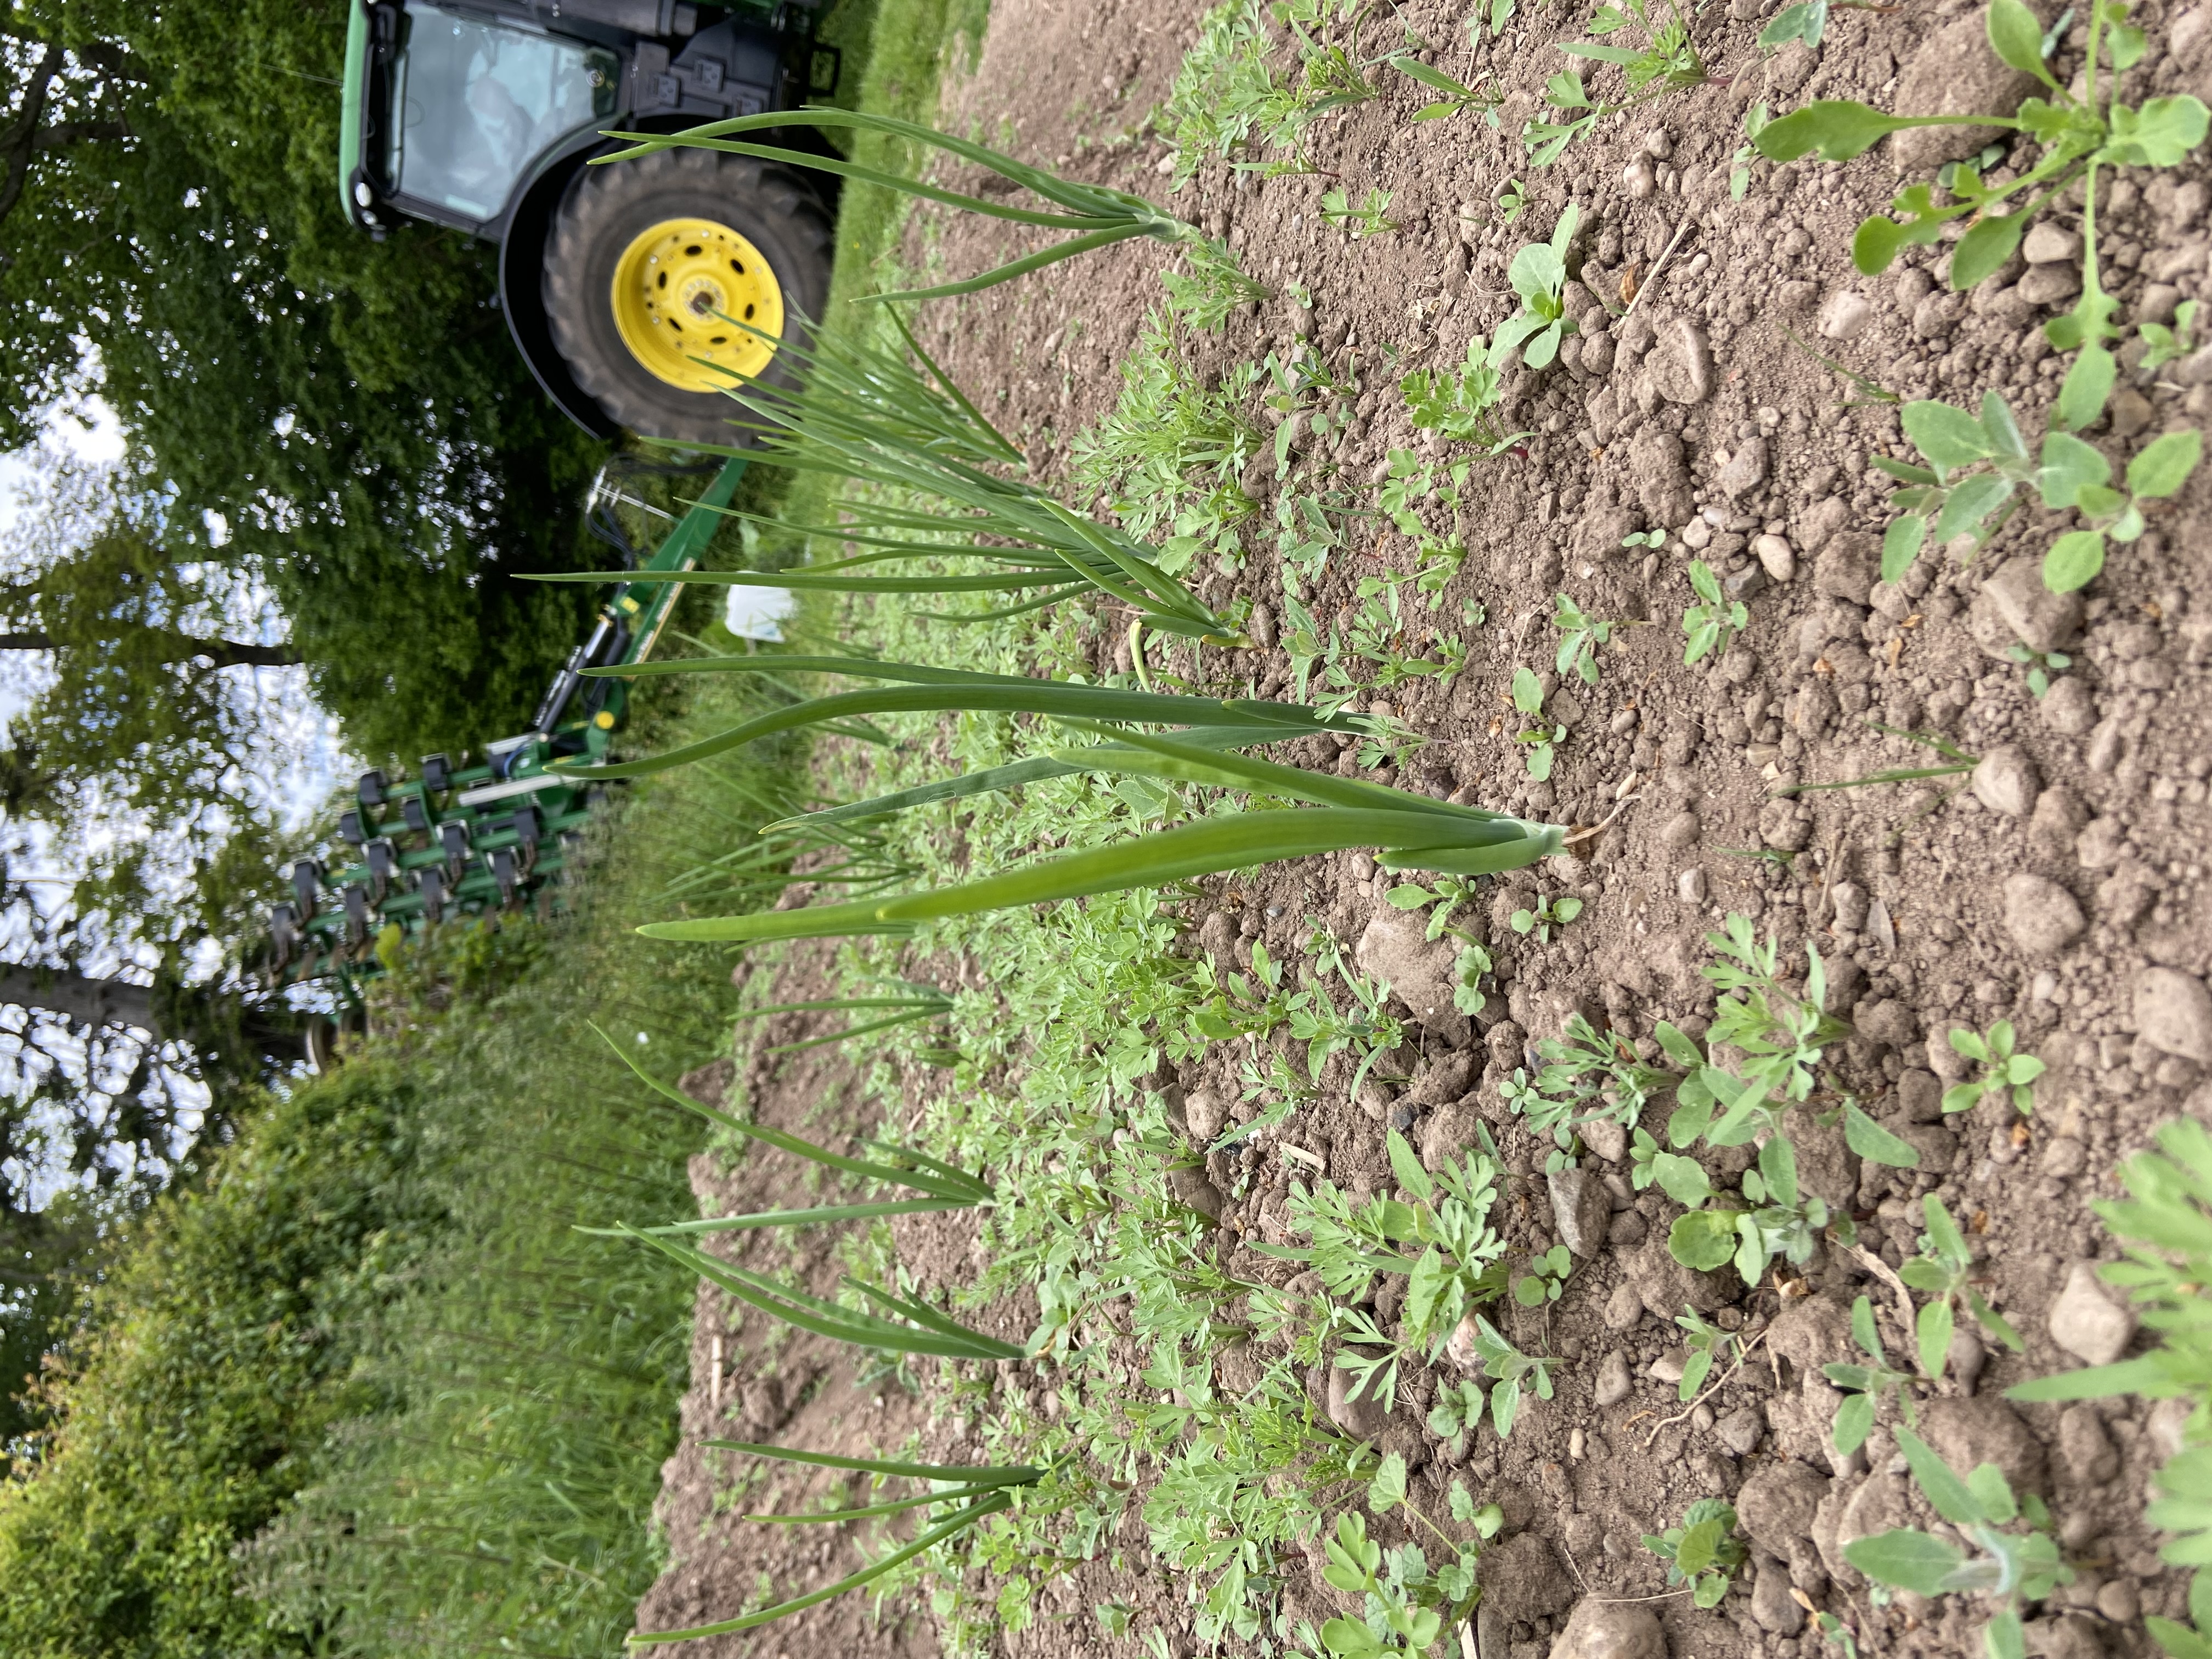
(1905, 898)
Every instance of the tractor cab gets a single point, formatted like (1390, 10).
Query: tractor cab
(480, 116)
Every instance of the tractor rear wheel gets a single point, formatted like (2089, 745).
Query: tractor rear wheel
(652, 266)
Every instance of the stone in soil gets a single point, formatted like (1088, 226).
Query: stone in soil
(2005, 782)
(1522, 1578)
(1600, 1629)
(1968, 1433)
(2087, 1321)
(1581, 1208)
(1955, 72)
(2041, 916)
(2173, 1013)
(1613, 1383)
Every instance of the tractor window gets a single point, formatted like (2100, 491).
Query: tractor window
(474, 101)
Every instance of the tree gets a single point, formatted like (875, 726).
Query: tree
(344, 422)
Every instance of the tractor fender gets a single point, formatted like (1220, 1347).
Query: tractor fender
(529, 224)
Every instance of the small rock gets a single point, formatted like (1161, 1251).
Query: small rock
(1775, 557)
(1690, 885)
(2005, 782)
(2085, 1451)
(1746, 470)
(1848, 567)
(2120, 1602)
(1191, 1188)
(1845, 314)
(1217, 936)
(1968, 1434)
(2066, 1636)
(2173, 1013)
(1964, 1358)
(1669, 1366)
(1851, 903)
(1623, 1308)
(1920, 1096)
(1772, 1606)
(1741, 1429)
(1606, 1138)
(1936, 315)
(1955, 72)
(1205, 1114)
(2086, 1323)
(1394, 948)
(1613, 1379)
(1261, 625)
(2048, 285)
(1681, 364)
(2048, 243)
(2041, 915)
(1582, 1209)
(1663, 476)
(1522, 1579)
(2101, 844)
(2058, 820)
(1610, 1630)
(1777, 1505)
(2068, 708)
(1823, 520)
(2014, 607)
(1888, 1022)
(1364, 1418)
(1639, 179)
(1679, 831)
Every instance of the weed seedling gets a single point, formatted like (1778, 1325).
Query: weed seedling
(1665, 63)
(1458, 1409)
(1398, 1621)
(2008, 1567)
(1715, 620)
(1704, 1552)
(2041, 666)
(1458, 98)
(1548, 915)
(2078, 135)
(1705, 1341)
(2163, 344)
(1210, 287)
(1370, 216)
(1538, 276)
(1460, 403)
(1740, 164)
(1587, 1074)
(2001, 1069)
(1546, 1278)
(1864, 1385)
(1508, 1368)
(1976, 465)
(1542, 739)
(1580, 637)
(1512, 197)
(1944, 1268)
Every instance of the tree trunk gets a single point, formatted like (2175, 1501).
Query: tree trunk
(81, 999)
(223, 654)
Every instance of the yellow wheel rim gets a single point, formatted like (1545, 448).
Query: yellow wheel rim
(669, 285)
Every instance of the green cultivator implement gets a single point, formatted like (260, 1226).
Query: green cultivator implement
(497, 833)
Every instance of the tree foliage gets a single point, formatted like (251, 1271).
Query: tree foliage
(352, 414)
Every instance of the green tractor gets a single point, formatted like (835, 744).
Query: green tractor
(481, 116)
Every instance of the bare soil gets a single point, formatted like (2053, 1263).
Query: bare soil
(1700, 416)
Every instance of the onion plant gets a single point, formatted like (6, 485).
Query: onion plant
(974, 1492)
(919, 1002)
(915, 1327)
(1099, 216)
(899, 423)
(1411, 832)
(918, 688)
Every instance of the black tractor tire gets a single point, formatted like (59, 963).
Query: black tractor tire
(608, 207)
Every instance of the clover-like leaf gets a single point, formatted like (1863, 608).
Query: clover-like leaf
(1950, 438)
(2158, 134)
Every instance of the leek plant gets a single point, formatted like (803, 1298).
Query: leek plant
(976, 1492)
(916, 1328)
(1100, 216)
(919, 1002)
(918, 687)
(898, 422)
(1411, 831)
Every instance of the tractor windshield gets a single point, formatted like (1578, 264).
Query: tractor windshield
(473, 101)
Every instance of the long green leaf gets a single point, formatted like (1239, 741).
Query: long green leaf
(1233, 842)
(897, 1506)
(729, 1223)
(783, 1141)
(928, 1541)
(1070, 249)
(973, 1474)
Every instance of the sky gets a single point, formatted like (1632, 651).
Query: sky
(100, 443)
